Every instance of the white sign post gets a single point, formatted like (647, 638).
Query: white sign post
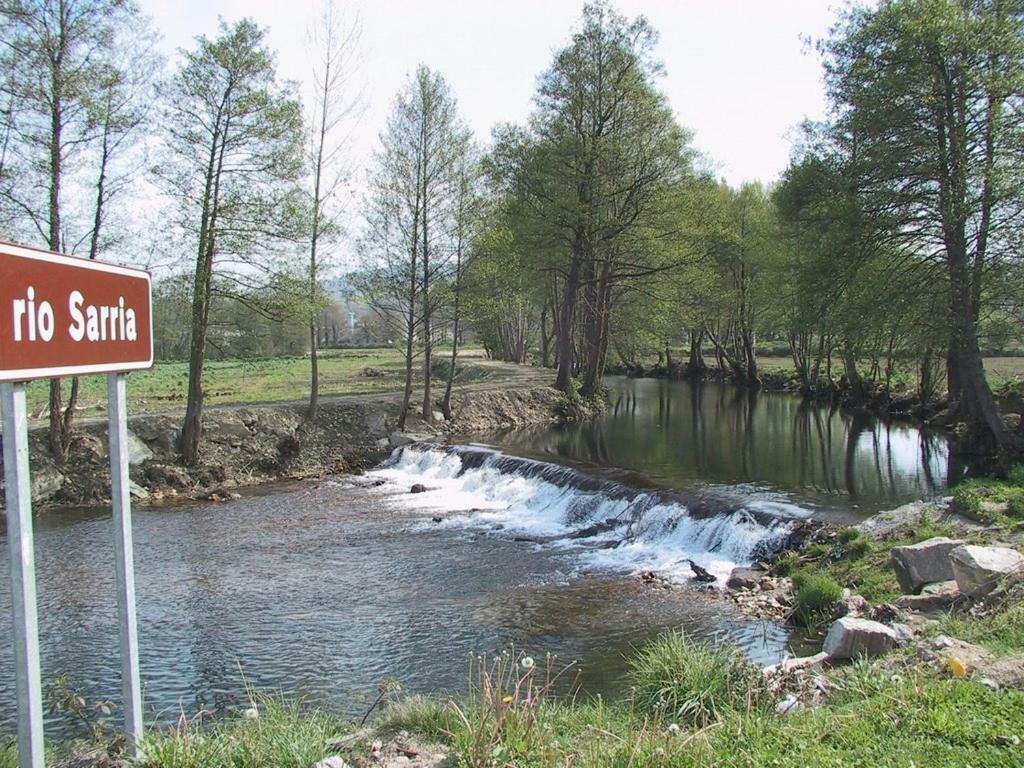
(62, 316)
(23, 576)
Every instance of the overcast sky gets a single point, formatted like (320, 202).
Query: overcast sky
(738, 73)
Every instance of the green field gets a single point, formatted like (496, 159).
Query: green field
(999, 369)
(164, 387)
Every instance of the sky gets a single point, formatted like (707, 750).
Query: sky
(739, 73)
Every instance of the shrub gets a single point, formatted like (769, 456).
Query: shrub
(694, 684)
(1015, 506)
(967, 500)
(816, 594)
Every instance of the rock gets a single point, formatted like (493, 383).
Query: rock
(418, 488)
(884, 522)
(978, 570)
(851, 605)
(167, 475)
(1012, 421)
(45, 481)
(788, 705)
(138, 451)
(939, 596)
(794, 665)
(923, 563)
(407, 438)
(851, 638)
(382, 444)
(744, 578)
(332, 762)
(701, 574)
(137, 491)
(437, 416)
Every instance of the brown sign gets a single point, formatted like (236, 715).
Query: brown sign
(64, 316)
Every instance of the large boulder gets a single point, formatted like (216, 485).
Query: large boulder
(851, 638)
(978, 570)
(923, 563)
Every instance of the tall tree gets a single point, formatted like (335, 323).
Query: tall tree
(335, 42)
(413, 199)
(74, 89)
(596, 171)
(931, 89)
(234, 155)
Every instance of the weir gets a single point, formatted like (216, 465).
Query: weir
(616, 527)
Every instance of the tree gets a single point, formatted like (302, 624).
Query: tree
(930, 89)
(336, 44)
(596, 170)
(413, 199)
(75, 89)
(234, 155)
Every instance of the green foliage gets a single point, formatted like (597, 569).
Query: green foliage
(8, 755)
(1015, 476)
(816, 596)
(693, 684)
(967, 500)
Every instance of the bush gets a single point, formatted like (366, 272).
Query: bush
(967, 500)
(816, 595)
(694, 684)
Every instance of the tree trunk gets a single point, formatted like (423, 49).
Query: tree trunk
(566, 321)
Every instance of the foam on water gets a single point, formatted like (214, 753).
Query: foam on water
(606, 526)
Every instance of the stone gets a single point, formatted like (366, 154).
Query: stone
(138, 451)
(332, 762)
(744, 578)
(851, 638)
(923, 563)
(137, 491)
(407, 438)
(788, 705)
(940, 596)
(44, 483)
(851, 605)
(797, 664)
(418, 488)
(438, 416)
(978, 570)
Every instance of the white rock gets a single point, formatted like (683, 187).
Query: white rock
(332, 762)
(138, 451)
(978, 570)
(788, 705)
(850, 638)
(923, 563)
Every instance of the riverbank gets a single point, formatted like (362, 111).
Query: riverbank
(248, 445)
(938, 679)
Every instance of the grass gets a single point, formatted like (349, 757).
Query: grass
(816, 596)
(164, 387)
(691, 706)
(691, 684)
(282, 735)
(875, 718)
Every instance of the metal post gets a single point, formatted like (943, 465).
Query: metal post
(120, 494)
(23, 575)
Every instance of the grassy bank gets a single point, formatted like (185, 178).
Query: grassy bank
(164, 387)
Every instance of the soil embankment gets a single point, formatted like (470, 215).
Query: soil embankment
(255, 444)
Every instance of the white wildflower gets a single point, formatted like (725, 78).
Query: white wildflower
(673, 728)
(251, 714)
(527, 663)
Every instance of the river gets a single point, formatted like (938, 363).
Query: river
(323, 589)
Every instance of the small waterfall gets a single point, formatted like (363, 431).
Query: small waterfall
(607, 525)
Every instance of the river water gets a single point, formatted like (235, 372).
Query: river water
(323, 589)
